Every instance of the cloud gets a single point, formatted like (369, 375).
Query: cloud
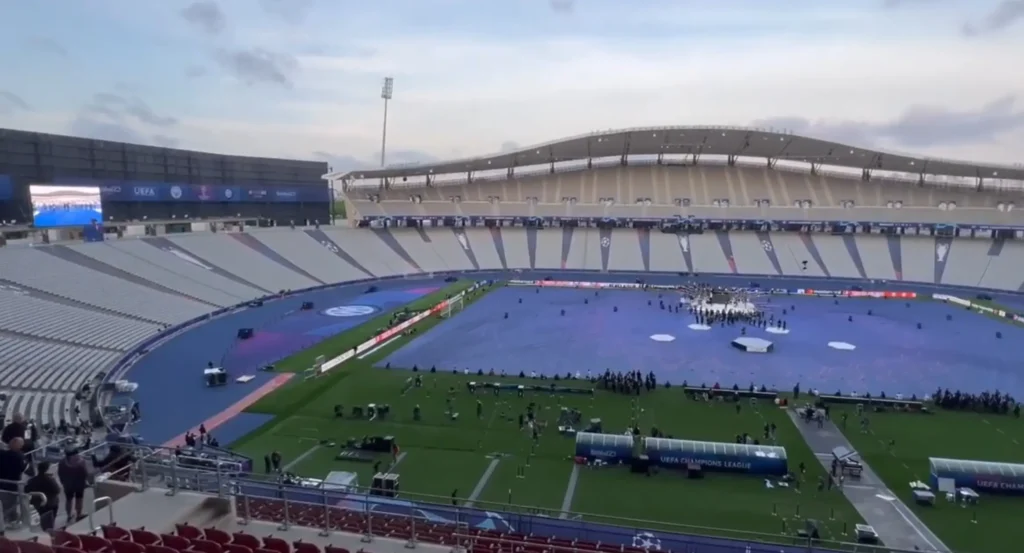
(206, 16)
(116, 117)
(509, 146)
(562, 6)
(1003, 16)
(11, 102)
(44, 45)
(291, 11)
(257, 66)
(195, 71)
(919, 126)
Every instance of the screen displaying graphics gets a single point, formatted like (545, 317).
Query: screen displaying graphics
(65, 206)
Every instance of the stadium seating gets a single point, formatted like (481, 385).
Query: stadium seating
(69, 312)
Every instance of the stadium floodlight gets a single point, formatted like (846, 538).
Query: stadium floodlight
(386, 92)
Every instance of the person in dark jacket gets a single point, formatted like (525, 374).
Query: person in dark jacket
(14, 429)
(74, 477)
(12, 468)
(44, 483)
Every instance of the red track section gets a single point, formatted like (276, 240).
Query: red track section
(241, 405)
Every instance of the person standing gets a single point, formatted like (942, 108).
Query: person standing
(12, 468)
(74, 477)
(44, 483)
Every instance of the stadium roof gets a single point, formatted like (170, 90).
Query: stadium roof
(719, 141)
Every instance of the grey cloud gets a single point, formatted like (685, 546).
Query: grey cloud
(344, 162)
(11, 102)
(195, 71)
(901, 3)
(206, 16)
(109, 116)
(257, 66)
(47, 46)
(1004, 15)
(919, 126)
(562, 6)
(291, 11)
(509, 146)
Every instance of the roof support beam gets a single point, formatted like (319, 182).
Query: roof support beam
(981, 179)
(551, 158)
(920, 175)
(772, 161)
(731, 160)
(510, 172)
(700, 150)
(661, 158)
(469, 176)
(385, 183)
(865, 174)
(624, 161)
(815, 167)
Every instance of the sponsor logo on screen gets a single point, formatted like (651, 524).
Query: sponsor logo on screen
(350, 311)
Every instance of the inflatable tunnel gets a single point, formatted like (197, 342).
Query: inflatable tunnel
(717, 456)
(980, 476)
(610, 448)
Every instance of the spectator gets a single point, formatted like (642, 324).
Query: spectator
(15, 429)
(44, 483)
(74, 477)
(12, 467)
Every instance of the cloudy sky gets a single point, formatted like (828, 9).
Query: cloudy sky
(301, 78)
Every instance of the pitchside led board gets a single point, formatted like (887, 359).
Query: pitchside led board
(65, 206)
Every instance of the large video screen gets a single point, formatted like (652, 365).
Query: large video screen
(65, 206)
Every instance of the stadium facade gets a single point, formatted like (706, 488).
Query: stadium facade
(148, 183)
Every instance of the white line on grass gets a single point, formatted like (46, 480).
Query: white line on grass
(482, 483)
(300, 458)
(374, 349)
(570, 491)
(399, 459)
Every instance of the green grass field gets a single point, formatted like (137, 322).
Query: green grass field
(442, 456)
(952, 435)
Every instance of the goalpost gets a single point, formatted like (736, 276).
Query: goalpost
(454, 305)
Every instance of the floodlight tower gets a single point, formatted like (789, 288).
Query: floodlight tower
(385, 93)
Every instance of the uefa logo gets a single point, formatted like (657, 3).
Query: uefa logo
(350, 311)
(176, 192)
(228, 193)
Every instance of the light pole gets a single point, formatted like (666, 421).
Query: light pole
(385, 93)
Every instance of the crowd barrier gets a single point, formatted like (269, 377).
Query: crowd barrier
(393, 331)
(979, 307)
(880, 294)
(425, 518)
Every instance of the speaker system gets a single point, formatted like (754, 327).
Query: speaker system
(245, 333)
(217, 379)
(307, 306)
(385, 484)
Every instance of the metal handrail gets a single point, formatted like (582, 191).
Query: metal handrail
(92, 510)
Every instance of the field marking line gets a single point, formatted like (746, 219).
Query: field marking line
(378, 347)
(570, 491)
(399, 459)
(481, 483)
(916, 527)
(300, 458)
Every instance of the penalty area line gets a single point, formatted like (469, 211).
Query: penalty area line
(570, 491)
(300, 458)
(482, 483)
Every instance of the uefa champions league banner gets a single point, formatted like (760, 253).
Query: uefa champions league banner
(774, 291)
(142, 191)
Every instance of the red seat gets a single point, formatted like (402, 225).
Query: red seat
(306, 547)
(66, 549)
(112, 532)
(142, 536)
(246, 540)
(188, 531)
(276, 544)
(217, 536)
(94, 544)
(26, 546)
(63, 537)
(206, 546)
(235, 548)
(154, 548)
(125, 546)
(176, 543)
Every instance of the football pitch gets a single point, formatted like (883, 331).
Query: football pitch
(483, 457)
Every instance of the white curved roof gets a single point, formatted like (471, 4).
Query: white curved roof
(721, 141)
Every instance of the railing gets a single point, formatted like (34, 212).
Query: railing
(434, 519)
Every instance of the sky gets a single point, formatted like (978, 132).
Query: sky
(302, 78)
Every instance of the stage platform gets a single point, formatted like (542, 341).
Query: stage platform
(823, 349)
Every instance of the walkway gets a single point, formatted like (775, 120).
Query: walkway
(903, 531)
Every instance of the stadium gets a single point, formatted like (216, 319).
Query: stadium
(532, 351)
